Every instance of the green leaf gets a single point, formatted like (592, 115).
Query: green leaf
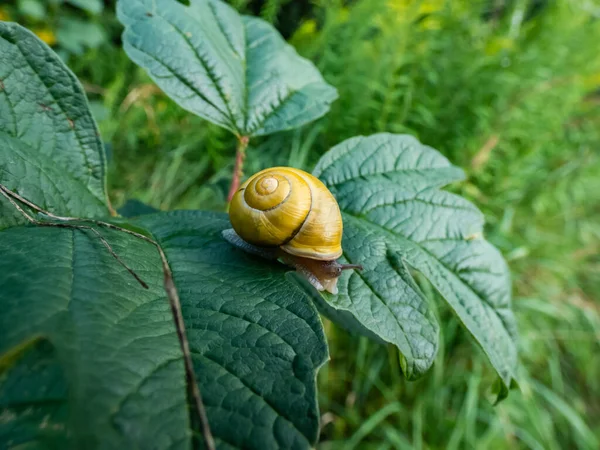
(35, 175)
(88, 358)
(256, 339)
(343, 318)
(235, 71)
(91, 6)
(134, 208)
(115, 369)
(384, 298)
(33, 401)
(32, 8)
(76, 35)
(50, 150)
(396, 216)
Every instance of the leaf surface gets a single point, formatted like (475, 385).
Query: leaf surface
(395, 217)
(90, 359)
(235, 71)
(46, 129)
(33, 401)
(113, 362)
(256, 339)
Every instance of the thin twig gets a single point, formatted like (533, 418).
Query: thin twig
(139, 93)
(238, 169)
(483, 155)
(194, 390)
(93, 88)
(71, 219)
(33, 206)
(8, 193)
(112, 252)
(169, 285)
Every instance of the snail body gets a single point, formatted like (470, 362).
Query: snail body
(287, 214)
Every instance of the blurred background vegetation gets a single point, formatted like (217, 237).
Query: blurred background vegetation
(507, 89)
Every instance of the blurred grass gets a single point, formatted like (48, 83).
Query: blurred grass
(510, 91)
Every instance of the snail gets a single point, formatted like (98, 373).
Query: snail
(287, 214)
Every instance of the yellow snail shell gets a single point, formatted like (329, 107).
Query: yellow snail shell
(290, 210)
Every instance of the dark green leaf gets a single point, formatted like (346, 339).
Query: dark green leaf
(111, 342)
(134, 208)
(34, 399)
(395, 215)
(91, 6)
(256, 339)
(90, 359)
(235, 71)
(340, 316)
(50, 150)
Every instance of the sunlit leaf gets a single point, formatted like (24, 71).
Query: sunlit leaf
(236, 71)
(396, 217)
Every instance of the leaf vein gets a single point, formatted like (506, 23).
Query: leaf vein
(255, 392)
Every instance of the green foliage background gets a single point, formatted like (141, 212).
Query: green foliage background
(509, 90)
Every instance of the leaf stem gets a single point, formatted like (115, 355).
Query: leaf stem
(169, 286)
(238, 169)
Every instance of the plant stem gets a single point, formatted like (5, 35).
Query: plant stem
(238, 169)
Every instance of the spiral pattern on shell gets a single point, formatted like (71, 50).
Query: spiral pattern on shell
(288, 208)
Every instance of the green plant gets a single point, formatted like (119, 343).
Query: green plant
(516, 104)
(535, 179)
(100, 360)
(71, 26)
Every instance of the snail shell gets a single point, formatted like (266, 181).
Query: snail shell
(287, 214)
(290, 209)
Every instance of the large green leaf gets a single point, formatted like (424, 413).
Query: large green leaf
(110, 364)
(396, 216)
(50, 150)
(90, 359)
(110, 373)
(235, 71)
(256, 339)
